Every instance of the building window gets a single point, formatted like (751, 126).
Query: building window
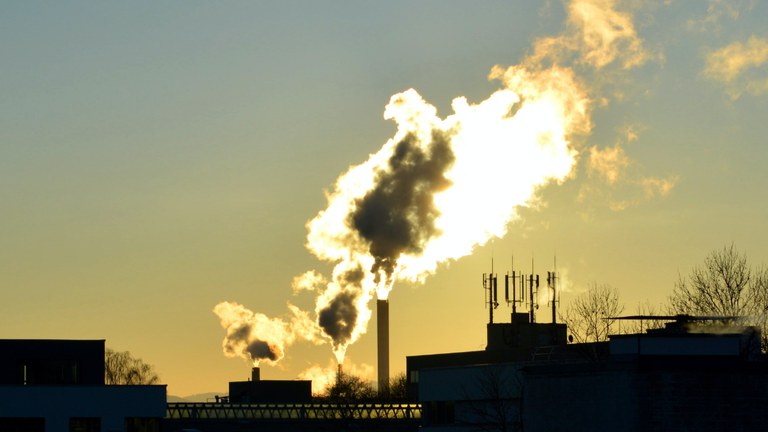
(142, 424)
(414, 377)
(22, 424)
(84, 424)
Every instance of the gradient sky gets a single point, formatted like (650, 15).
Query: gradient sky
(158, 158)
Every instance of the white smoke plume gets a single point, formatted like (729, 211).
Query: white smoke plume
(308, 281)
(258, 338)
(400, 214)
(441, 187)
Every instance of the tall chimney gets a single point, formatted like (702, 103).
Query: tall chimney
(255, 374)
(382, 334)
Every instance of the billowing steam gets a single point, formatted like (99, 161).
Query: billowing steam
(406, 210)
(259, 338)
(441, 187)
(398, 215)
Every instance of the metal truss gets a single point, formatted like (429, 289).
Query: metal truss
(295, 412)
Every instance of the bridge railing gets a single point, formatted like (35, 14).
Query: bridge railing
(310, 412)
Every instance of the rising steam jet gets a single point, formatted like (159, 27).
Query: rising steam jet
(413, 204)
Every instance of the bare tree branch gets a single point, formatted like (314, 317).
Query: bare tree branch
(589, 315)
(725, 285)
(642, 325)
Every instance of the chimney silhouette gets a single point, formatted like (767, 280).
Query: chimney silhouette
(382, 335)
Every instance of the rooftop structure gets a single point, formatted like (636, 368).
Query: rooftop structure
(269, 391)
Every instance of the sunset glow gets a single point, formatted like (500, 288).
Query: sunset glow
(213, 188)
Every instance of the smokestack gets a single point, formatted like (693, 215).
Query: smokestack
(382, 334)
(255, 374)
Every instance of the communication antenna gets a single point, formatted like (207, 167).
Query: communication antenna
(491, 289)
(552, 285)
(511, 299)
(533, 289)
(552, 278)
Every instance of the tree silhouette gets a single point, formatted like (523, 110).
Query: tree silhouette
(398, 388)
(350, 388)
(645, 309)
(725, 285)
(121, 368)
(589, 316)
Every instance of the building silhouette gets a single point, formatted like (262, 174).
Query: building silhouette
(685, 376)
(58, 386)
(257, 390)
(682, 377)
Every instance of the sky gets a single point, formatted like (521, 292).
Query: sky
(158, 159)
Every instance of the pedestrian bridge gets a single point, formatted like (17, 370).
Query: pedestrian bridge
(294, 412)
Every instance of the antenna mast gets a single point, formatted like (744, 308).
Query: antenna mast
(533, 289)
(552, 284)
(513, 299)
(491, 288)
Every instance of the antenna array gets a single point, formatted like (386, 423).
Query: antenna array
(521, 284)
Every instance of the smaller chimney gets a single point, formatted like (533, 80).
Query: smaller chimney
(255, 374)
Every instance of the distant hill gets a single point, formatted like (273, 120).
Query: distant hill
(200, 397)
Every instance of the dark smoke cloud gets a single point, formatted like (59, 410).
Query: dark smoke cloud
(256, 349)
(353, 277)
(257, 337)
(240, 334)
(260, 350)
(398, 215)
(338, 318)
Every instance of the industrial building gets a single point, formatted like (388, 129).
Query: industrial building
(681, 377)
(257, 390)
(58, 386)
(694, 374)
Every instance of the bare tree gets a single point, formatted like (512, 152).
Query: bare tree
(589, 316)
(724, 285)
(642, 325)
(350, 388)
(121, 368)
(721, 286)
(397, 389)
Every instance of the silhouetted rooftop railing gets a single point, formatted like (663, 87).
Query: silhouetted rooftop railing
(309, 412)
